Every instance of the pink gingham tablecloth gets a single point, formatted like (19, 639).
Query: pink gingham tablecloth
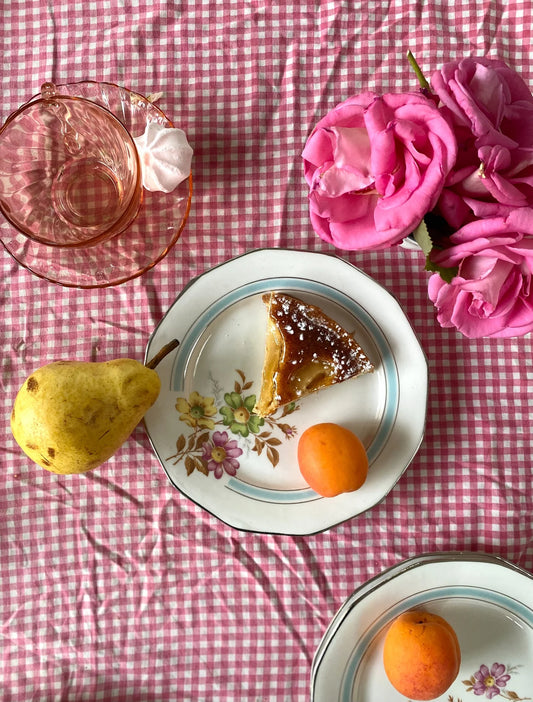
(113, 585)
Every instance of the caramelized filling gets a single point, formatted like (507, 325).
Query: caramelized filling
(306, 350)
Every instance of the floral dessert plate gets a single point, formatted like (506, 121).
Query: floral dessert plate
(487, 600)
(243, 468)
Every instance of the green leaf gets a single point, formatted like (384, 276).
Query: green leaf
(432, 234)
(447, 274)
(423, 238)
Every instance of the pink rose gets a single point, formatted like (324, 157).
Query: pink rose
(492, 293)
(490, 109)
(375, 166)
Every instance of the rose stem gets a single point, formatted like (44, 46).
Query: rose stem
(416, 68)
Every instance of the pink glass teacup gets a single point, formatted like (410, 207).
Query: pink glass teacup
(69, 171)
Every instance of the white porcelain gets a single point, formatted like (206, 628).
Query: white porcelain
(220, 321)
(487, 600)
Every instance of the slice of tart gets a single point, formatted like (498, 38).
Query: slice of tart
(305, 351)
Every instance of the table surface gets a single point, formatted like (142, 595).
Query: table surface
(115, 586)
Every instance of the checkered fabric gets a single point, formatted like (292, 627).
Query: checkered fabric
(114, 586)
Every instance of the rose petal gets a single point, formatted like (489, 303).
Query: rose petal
(404, 153)
(491, 109)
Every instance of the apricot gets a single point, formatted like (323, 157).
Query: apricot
(421, 655)
(332, 459)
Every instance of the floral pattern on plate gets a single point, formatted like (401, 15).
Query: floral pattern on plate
(487, 600)
(220, 319)
(208, 450)
(489, 682)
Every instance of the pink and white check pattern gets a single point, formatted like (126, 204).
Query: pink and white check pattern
(112, 585)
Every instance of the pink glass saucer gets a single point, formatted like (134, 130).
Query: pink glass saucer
(147, 240)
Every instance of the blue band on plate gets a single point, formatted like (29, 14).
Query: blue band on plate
(312, 286)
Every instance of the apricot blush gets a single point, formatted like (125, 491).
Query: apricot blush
(421, 655)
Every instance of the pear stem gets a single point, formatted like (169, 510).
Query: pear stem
(418, 72)
(160, 355)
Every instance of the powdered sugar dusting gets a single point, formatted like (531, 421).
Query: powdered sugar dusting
(317, 351)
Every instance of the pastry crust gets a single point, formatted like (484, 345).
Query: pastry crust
(305, 350)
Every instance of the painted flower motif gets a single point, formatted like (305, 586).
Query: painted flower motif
(202, 450)
(220, 454)
(238, 414)
(197, 410)
(489, 682)
(288, 430)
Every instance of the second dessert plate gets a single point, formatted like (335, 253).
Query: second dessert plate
(487, 600)
(244, 469)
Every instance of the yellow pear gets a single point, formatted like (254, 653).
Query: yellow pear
(71, 416)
